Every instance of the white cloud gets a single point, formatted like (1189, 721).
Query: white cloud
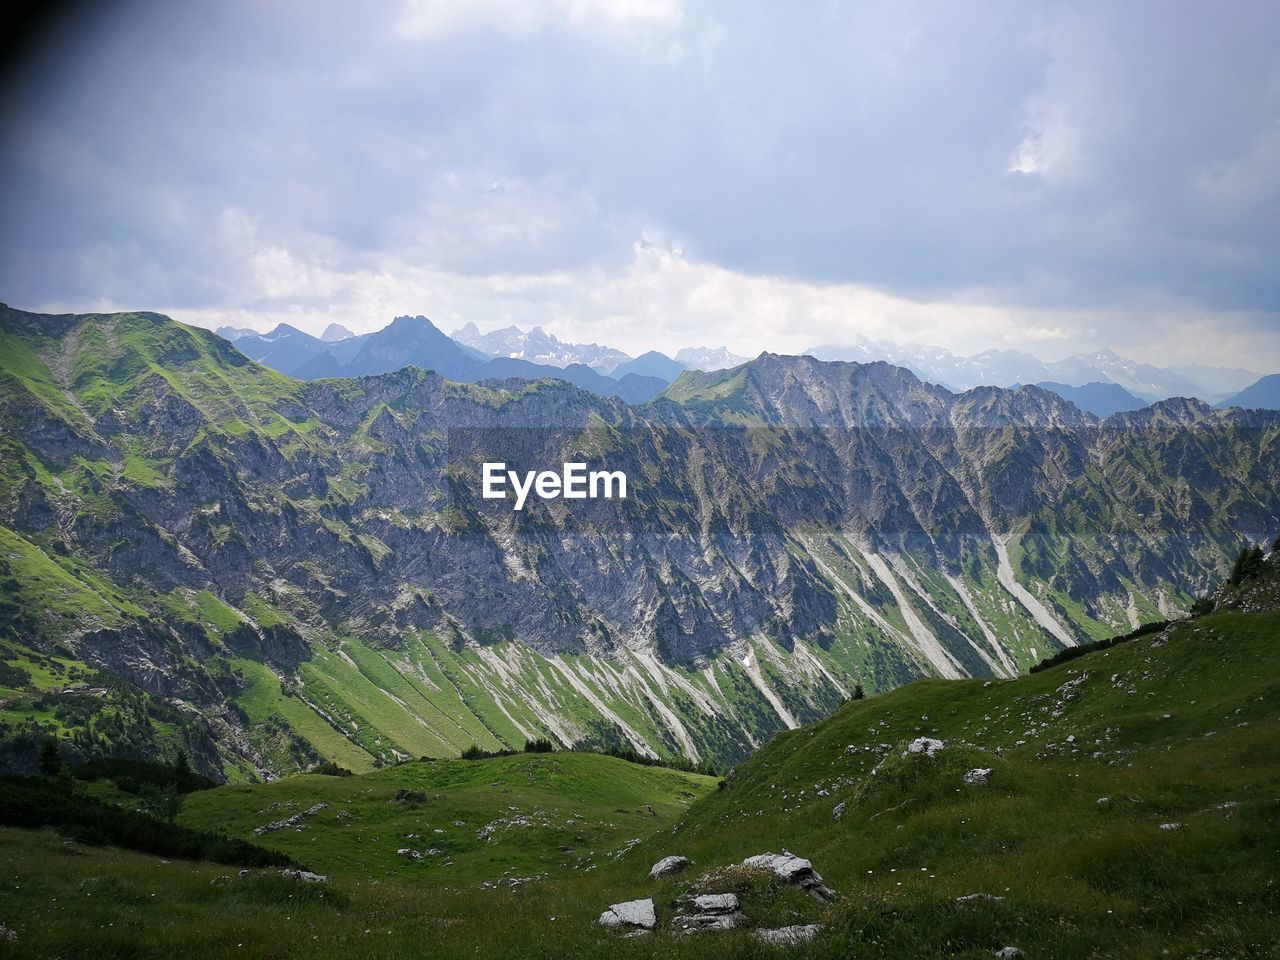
(432, 19)
(1049, 144)
(662, 300)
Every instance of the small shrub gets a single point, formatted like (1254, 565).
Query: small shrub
(330, 769)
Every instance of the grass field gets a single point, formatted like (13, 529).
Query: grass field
(1133, 811)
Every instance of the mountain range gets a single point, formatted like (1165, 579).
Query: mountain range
(1093, 381)
(538, 346)
(417, 341)
(1263, 395)
(297, 569)
(1004, 368)
(1100, 399)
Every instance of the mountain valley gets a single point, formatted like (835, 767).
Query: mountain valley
(1121, 803)
(271, 572)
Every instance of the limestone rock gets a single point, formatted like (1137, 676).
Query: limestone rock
(792, 869)
(926, 745)
(790, 936)
(306, 876)
(701, 922)
(978, 777)
(667, 866)
(632, 913)
(716, 903)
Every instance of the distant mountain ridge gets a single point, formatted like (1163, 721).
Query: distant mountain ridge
(296, 353)
(709, 358)
(1100, 399)
(538, 346)
(417, 342)
(651, 364)
(1004, 368)
(235, 333)
(335, 332)
(1263, 395)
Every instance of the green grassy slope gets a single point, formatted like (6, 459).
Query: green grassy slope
(520, 815)
(1091, 760)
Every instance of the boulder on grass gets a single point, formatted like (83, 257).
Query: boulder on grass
(667, 866)
(792, 869)
(978, 777)
(926, 745)
(632, 913)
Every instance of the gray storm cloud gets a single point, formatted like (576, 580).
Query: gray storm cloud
(1057, 176)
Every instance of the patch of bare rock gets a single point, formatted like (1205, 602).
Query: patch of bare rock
(698, 912)
(790, 936)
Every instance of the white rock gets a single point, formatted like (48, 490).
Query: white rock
(632, 913)
(790, 936)
(1170, 826)
(716, 902)
(838, 812)
(926, 745)
(1009, 953)
(793, 869)
(978, 777)
(306, 876)
(667, 866)
(700, 922)
(786, 865)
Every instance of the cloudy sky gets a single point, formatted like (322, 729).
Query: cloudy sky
(1055, 177)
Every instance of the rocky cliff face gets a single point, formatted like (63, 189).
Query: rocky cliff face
(315, 559)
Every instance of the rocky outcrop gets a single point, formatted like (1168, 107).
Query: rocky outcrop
(634, 914)
(924, 745)
(668, 866)
(708, 911)
(794, 870)
(294, 821)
